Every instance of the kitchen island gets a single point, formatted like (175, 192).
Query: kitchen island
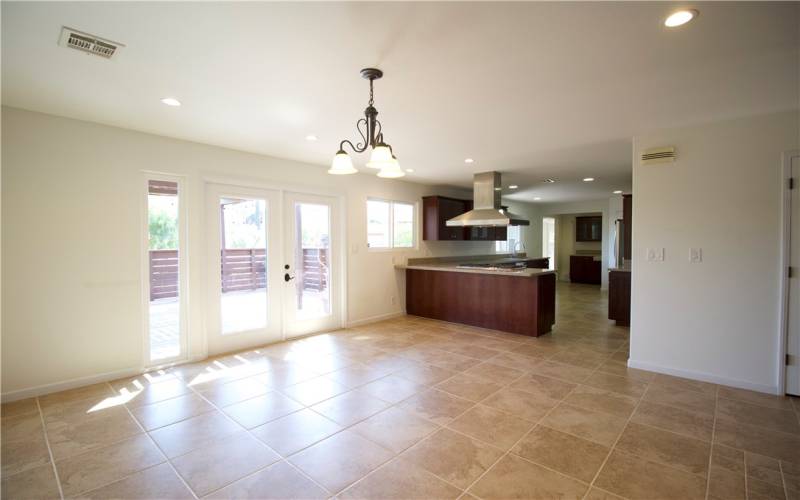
(518, 300)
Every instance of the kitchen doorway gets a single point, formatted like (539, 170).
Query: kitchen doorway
(549, 240)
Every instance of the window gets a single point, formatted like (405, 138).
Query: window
(513, 238)
(549, 240)
(390, 224)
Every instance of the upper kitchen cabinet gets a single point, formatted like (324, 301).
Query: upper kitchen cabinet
(589, 228)
(436, 211)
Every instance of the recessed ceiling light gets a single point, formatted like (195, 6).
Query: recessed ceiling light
(537, 199)
(549, 181)
(588, 179)
(409, 170)
(513, 186)
(311, 137)
(170, 101)
(680, 18)
(617, 192)
(498, 189)
(469, 160)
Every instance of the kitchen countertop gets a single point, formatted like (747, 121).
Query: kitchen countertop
(452, 267)
(626, 268)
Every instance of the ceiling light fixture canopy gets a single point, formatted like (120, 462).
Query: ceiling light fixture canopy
(382, 157)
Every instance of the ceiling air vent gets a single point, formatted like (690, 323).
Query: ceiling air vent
(90, 44)
(658, 155)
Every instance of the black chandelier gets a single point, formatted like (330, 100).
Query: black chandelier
(382, 157)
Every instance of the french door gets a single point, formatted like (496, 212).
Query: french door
(312, 274)
(274, 266)
(244, 302)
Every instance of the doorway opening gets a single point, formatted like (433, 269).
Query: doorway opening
(549, 240)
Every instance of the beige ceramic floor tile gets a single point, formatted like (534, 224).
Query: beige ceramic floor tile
(286, 375)
(171, 411)
(726, 485)
(37, 483)
(491, 426)
(686, 400)
(562, 371)
(96, 392)
(196, 432)
(656, 445)
(495, 372)
(516, 361)
(425, 374)
(635, 478)
(601, 400)
(223, 461)
(567, 454)
(683, 384)
(758, 440)
(727, 458)
(159, 482)
(601, 428)
(757, 398)
(622, 385)
(598, 494)
(350, 407)
(21, 407)
(545, 386)
(277, 482)
(142, 392)
(234, 392)
(469, 387)
(23, 444)
(395, 429)
(762, 416)
(530, 406)
(456, 458)
(582, 358)
(437, 406)
(340, 460)
(355, 375)
(262, 409)
(90, 470)
(515, 478)
(401, 480)
(393, 388)
(689, 423)
(315, 390)
(79, 436)
(292, 433)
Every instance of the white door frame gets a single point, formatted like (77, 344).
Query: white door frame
(183, 268)
(783, 263)
(338, 258)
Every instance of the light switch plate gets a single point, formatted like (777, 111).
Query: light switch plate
(695, 255)
(655, 255)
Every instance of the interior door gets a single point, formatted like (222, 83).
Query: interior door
(311, 268)
(793, 334)
(244, 306)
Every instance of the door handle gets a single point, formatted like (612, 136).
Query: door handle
(287, 278)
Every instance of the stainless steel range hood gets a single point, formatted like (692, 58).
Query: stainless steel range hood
(486, 205)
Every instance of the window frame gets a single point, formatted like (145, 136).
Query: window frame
(414, 221)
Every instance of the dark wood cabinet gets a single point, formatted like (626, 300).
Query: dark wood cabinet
(589, 228)
(541, 263)
(627, 225)
(436, 210)
(619, 297)
(584, 269)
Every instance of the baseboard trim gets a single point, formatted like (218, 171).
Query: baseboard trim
(41, 390)
(374, 319)
(704, 377)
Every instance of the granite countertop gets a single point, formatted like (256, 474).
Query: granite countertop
(450, 267)
(625, 268)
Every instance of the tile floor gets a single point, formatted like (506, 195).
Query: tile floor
(410, 408)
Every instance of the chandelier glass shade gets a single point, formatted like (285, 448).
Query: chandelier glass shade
(369, 128)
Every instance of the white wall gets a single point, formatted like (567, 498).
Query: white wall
(581, 207)
(71, 228)
(716, 320)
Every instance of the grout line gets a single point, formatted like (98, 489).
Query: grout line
(713, 434)
(49, 449)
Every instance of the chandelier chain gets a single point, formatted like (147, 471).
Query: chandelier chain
(371, 100)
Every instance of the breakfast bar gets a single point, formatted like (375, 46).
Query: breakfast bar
(509, 298)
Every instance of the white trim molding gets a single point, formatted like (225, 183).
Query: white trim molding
(374, 319)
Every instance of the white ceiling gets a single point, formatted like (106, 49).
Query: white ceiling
(533, 90)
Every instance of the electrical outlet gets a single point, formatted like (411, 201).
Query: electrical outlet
(695, 255)
(655, 255)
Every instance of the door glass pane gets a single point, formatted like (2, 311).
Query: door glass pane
(243, 257)
(311, 260)
(163, 257)
(403, 225)
(377, 224)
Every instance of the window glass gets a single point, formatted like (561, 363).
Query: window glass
(378, 224)
(403, 225)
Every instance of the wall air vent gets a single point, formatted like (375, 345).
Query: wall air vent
(90, 44)
(653, 156)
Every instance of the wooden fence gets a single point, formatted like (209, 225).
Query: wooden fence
(242, 269)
